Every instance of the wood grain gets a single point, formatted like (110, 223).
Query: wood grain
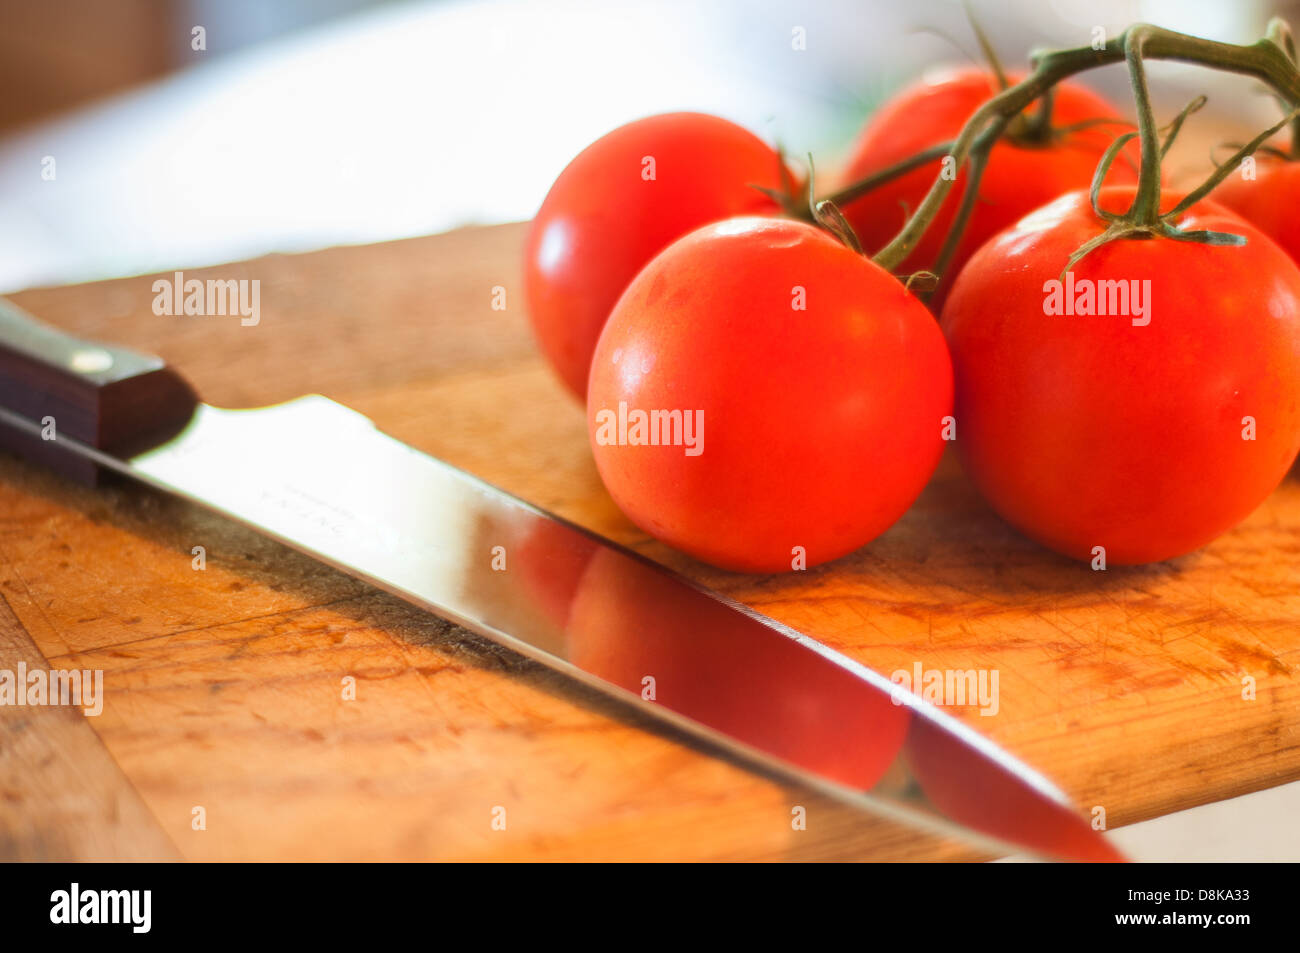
(62, 798)
(224, 685)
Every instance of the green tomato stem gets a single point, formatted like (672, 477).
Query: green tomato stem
(970, 194)
(888, 174)
(1145, 209)
(1270, 59)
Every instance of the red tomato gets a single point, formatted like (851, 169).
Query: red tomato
(1017, 179)
(1088, 431)
(624, 199)
(771, 692)
(1268, 201)
(820, 382)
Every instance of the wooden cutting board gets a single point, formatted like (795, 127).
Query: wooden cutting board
(224, 686)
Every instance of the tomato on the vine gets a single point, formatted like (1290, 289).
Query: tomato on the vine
(1150, 426)
(1018, 178)
(816, 383)
(625, 198)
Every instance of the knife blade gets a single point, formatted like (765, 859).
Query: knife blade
(324, 480)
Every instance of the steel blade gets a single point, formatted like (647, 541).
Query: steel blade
(322, 479)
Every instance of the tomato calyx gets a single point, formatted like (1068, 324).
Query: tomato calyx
(831, 219)
(1143, 219)
(1055, 135)
(1024, 129)
(793, 197)
(826, 215)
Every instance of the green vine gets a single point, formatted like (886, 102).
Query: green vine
(1271, 59)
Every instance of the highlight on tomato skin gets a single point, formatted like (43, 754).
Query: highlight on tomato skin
(1135, 433)
(1017, 180)
(811, 388)
(618, 203)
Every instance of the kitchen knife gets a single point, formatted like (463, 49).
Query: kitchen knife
(322, 479)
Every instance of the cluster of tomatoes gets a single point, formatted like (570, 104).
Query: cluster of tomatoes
(764, 397)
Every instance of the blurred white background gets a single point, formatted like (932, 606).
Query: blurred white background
(306, 124)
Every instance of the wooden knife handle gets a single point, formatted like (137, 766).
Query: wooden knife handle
(113, 399)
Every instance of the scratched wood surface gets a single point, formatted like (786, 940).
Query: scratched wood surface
(223, 685)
